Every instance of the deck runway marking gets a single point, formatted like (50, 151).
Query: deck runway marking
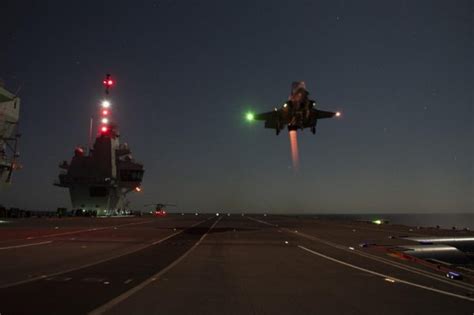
(76, 232)
(415, 270)
(384, 276)
(378, 230)
(122, 297)
(89, 230)
(91, 279)
(58, 279)
(25, 245)
(263, 222)
(96, 262)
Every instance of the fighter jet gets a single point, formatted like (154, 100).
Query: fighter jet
(299, 112)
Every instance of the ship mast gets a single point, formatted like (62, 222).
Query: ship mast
(104, 127)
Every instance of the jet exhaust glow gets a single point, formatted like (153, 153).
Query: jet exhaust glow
(294, 149)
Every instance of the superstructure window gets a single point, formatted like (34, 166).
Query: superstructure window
(131, 175)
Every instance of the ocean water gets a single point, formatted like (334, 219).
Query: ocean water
(444, 220)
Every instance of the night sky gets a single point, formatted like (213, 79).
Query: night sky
(401, 72)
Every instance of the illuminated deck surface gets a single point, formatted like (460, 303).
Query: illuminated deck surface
(204, 264)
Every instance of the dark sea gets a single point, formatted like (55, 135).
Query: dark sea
(444, 220)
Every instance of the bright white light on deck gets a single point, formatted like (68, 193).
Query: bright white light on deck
(105, 104)
(338, 114)
(105, 120)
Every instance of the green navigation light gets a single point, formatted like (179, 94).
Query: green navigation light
(250, 116)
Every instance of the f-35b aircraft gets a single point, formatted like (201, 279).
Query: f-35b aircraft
(299, 112)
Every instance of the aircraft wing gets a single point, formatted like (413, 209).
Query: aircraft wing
(270, 118)
(320, 114)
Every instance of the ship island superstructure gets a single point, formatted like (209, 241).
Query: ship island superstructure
(99, 180)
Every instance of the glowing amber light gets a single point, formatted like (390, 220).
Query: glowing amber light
(294, 149)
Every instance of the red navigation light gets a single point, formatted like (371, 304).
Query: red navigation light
(105, 112)
(108, 82)
(79, 151)
(104, 129)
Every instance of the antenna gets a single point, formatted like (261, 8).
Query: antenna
(90, 134)
(18, 89)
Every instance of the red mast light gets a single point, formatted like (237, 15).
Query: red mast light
(108, 82)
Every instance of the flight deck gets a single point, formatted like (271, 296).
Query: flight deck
(226, 264)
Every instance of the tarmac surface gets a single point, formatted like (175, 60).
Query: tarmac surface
(207, 264)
